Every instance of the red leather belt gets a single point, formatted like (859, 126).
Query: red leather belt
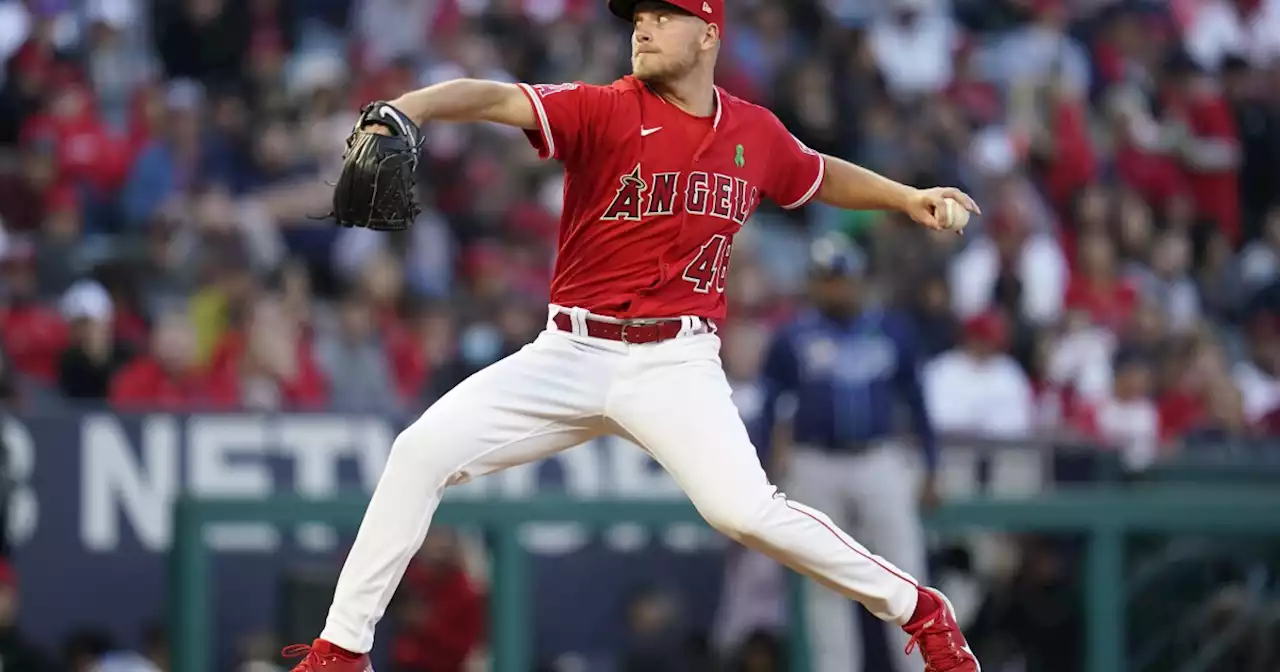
(634, 333)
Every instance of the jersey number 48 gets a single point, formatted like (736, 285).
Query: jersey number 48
(709, 268)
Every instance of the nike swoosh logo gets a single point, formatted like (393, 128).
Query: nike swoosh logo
(649, 131)
(394, 118)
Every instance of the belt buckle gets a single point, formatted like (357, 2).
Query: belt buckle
(622, 333)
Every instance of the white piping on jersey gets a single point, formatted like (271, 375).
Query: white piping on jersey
(719, 107)
(813, 188)
(543, 123)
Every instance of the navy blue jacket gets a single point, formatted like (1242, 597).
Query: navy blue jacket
(850, 381)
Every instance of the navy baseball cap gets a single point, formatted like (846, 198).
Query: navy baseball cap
(711, 11)
(834, 255)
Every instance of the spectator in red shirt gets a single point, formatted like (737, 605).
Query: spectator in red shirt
(266, 365)
(1096, 287)
(88, 154)
(1208, 145)
(1143, 155)
(1064, 151)
(441, 610)
(1180, 404)
(409, 365)
(167, 378)
(33, 333)
(22, 194)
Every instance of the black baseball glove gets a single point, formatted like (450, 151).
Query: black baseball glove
(376, 189)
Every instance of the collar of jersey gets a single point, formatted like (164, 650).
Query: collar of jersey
(715, 123)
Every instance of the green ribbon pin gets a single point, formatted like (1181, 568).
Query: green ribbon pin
(738, 159)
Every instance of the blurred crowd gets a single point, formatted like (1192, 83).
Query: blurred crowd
(165, 243)
(163, 198)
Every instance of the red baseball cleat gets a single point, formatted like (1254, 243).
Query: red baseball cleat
(938, 635)
(322, 654)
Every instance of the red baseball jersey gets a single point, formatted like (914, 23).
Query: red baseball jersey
(653, 195)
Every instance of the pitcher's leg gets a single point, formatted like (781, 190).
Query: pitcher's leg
(500, 417)
(834, 636)
(679, 409)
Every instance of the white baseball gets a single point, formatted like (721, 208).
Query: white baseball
(953, 216)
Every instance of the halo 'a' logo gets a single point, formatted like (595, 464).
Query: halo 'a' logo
(629, 200)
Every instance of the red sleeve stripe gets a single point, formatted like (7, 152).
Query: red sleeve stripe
(543, 124)
(813, 188)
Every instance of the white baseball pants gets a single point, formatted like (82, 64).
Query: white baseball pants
(562, 390)
(875, 494)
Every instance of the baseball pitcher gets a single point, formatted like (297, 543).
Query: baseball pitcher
(662, 169)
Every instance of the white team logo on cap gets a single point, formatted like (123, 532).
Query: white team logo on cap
(706, 7)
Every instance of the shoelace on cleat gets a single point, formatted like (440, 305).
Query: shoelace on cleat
(313, 657)
(937, 647)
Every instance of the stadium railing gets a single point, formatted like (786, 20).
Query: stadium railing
(1105, 515)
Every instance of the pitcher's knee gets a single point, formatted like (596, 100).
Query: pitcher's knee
(415, 450)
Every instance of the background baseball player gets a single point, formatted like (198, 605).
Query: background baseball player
(846, 369)
(662, 169)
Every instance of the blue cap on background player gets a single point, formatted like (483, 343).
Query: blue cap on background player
(833, 254)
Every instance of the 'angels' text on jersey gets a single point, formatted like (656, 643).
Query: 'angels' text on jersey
(702, 193)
